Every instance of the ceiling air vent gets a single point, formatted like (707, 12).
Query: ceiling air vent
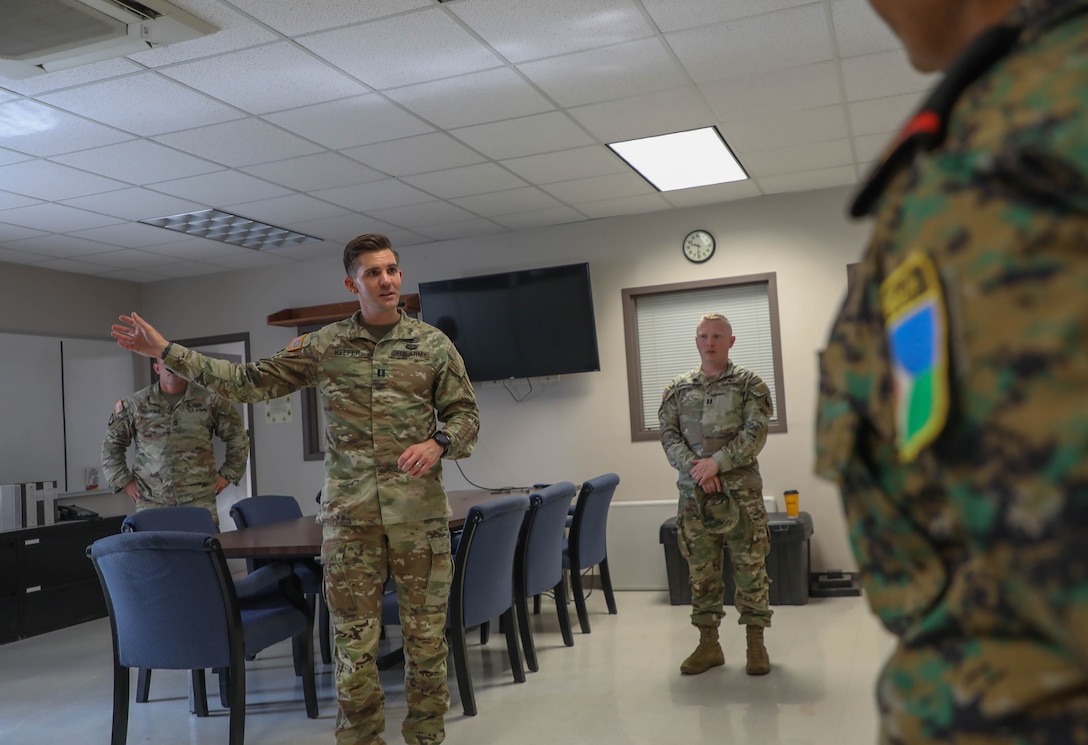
(40, 36)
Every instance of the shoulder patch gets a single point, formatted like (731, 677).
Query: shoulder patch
(296, 343)
(119, 406)
(665, 393)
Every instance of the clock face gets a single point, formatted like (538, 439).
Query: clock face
(698, 246)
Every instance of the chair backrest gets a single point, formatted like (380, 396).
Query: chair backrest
(264, 509)
(170, 597)
(483, 578)
(540, 546)
(588, 538)
(180, 519)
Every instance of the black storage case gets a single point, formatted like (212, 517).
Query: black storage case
(787, 564)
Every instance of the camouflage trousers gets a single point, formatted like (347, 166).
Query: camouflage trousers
(207, 503)
(357, 561)
(709, 523)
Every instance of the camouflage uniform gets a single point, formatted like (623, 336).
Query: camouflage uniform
(379, 398)
(175, 461)
(724, 417)
(959, 442)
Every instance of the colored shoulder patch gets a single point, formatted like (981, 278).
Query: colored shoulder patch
(119, 406)
(296, 343)
(913, 306)
(665, 393)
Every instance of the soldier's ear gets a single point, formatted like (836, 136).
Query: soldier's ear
(350, 284)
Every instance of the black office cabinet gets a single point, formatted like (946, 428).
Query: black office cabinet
(53, 584)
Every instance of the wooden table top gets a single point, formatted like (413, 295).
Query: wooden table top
(301, 537)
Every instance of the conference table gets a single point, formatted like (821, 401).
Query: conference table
(301, 537)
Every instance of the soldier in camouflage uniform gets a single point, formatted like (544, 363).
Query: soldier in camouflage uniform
(384, 378)
(954, 389)
(713, 425)
(172, 424)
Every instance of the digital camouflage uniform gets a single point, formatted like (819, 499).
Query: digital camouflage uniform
(724, 417)
(379, 398)
(954, 397)
(174, 455)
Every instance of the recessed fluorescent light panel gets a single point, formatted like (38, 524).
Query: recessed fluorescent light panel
(682, 160)
(217, 225)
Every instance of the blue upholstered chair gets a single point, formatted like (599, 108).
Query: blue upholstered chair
(271, 508)
(538, 565)
(483, 585)
(172, 605)
(587, 543)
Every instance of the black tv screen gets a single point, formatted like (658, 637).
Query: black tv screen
(529, 323)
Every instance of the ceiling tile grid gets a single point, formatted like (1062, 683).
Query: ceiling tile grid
(430, 121)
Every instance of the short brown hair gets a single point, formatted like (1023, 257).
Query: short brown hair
(365, 243)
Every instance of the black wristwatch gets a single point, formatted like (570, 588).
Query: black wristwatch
(442, 439)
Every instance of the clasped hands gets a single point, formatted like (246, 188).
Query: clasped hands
(705, 473)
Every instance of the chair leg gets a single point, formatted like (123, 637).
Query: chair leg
(485, 632)
(296, 654)
(512, 644)
(323, 633)
(579, 598)
(198, 693)
(309, 686)
(460, 662)
(536, 604)
(606, 585)
(522, 604)
(143, 685)
(121, 680)
(237, 696)
(560, 591)
(224, 686)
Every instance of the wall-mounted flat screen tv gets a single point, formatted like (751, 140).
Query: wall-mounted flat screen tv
(524, 324)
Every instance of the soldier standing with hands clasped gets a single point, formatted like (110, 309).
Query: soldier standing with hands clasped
(713, 425)
(387, 380)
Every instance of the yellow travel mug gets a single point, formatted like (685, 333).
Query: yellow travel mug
(793, 508)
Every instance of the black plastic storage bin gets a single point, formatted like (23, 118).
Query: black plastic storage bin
(787, 564)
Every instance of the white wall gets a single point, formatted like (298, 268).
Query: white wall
(578, 427)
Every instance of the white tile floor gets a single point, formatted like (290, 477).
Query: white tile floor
(619, 685)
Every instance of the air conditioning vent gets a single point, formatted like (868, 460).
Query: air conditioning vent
(39, 36)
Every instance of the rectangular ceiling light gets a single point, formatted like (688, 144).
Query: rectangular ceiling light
(222, 226)
(682, 160)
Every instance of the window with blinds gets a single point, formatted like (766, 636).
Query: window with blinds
(660, 322)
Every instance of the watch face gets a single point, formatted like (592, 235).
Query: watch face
(698, 246)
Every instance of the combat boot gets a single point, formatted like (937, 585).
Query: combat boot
(707, 655)
(759, 662)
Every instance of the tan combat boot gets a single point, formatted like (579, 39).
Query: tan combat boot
(759, 662)
(707, 655)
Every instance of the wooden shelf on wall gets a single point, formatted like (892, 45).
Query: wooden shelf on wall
(330, 312)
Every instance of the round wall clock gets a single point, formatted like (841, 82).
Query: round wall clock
(698, 246)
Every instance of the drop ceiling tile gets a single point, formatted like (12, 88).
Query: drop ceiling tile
(430, 152)
(36, 129)
(223, 187)
(810, 157)
(530, 135)
(343, 228)
(339, 124)
(182, 269)
(475, 98)
(136, 275)
(713, 194)
(670, 15)
(546, 28)
(9, 201)
(309, 251)
(859, 30)
(567, 165)
(285, 211)
(10, 232)
(72, 266)
(595, 188)
(774, 92)
(635, 205)
(250, 260)
(632, 69)
(466, 180)
(129, 235)
(644, 116)
(540, 218)
(10, 156)
(866, 147)
(55, 218)
(789, 38)
(138, 162)
(128, 259)
(448, 231)
(146, 104)
(9, 256)
(423, 216)
(52, 181)
(507, 202)
(882, 74)
(235, 31)
(244, 142)
(134, 204)
(60, 246)
(196, 249)
(265, 79)
(405, 49)
(800, 127)
(291, 18)
(73, 76)
(375, 195)
(311, 172)
(877, 115)
(809, 180)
